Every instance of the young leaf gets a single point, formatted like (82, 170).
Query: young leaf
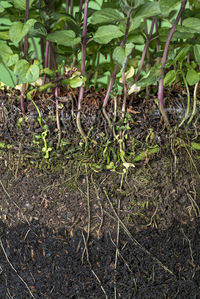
(7, 55)
(38, 30)
(21, 4)
(25, 72)
(168, 5)
(149, 9)
(136, 39)
(4, 35)
(195, 145)
(192, 77)
(64, 37)
(192, 23)
(18, 30)
(182, 54)
(105, 34)
(119, 55)
(169, 77)
(153, 76)
(106, 15)
(128, 49)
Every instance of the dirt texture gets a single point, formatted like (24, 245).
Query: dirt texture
(70, 229)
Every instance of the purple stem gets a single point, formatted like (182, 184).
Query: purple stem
(67, 6)
(71, 7)
(46, 59)
(80, 8)
(41, 40)
(164, 58)
(83, 53)
(25, 56)
(145, 50)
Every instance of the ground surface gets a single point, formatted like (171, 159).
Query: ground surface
(71, 230)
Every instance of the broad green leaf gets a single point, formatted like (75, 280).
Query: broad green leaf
(185, 30)
(1, 8)
(149, 9)
(106, 15)
(182, 54)
(128, 49)
(197, 53)
(119, 55)
(105, 34)
(169, 77)
(21, 4)
(153, 76)
(38, 30)
(71, 22)
(7, 55)
(4, 35)
(136, 39)
(192, 23)
(18, 30)
(64, 37)
(192, 77)
(25, 72)
(168, 5)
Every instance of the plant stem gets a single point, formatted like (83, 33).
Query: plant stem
(112, 79)
(194, 104)
(22, 97)
(46, 60)
(83, 55)
(164, 58)
(145, 50)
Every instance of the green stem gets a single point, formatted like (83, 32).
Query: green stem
(188, 100)
(195, 103)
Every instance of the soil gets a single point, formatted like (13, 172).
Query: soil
(75, 226)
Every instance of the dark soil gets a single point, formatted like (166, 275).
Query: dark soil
(70, 230)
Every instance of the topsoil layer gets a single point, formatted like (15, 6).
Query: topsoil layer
(67, 231)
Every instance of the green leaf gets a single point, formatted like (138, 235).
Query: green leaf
(195, 145)
(1, 8)
(169, 77)
(38, 30)
(153, 76)
(106, 15)
(192, 77)
(4, 35)
(168, 5)
(21, 4)
(128, 49)
(182, 54)
(7, 55)
(197, 53)
(18, 30)
(192, 23)
(64, 37)
(25, 72)
(71, 22)
(105, 34)
(119, 55)
(136, 39)
(149, 9)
